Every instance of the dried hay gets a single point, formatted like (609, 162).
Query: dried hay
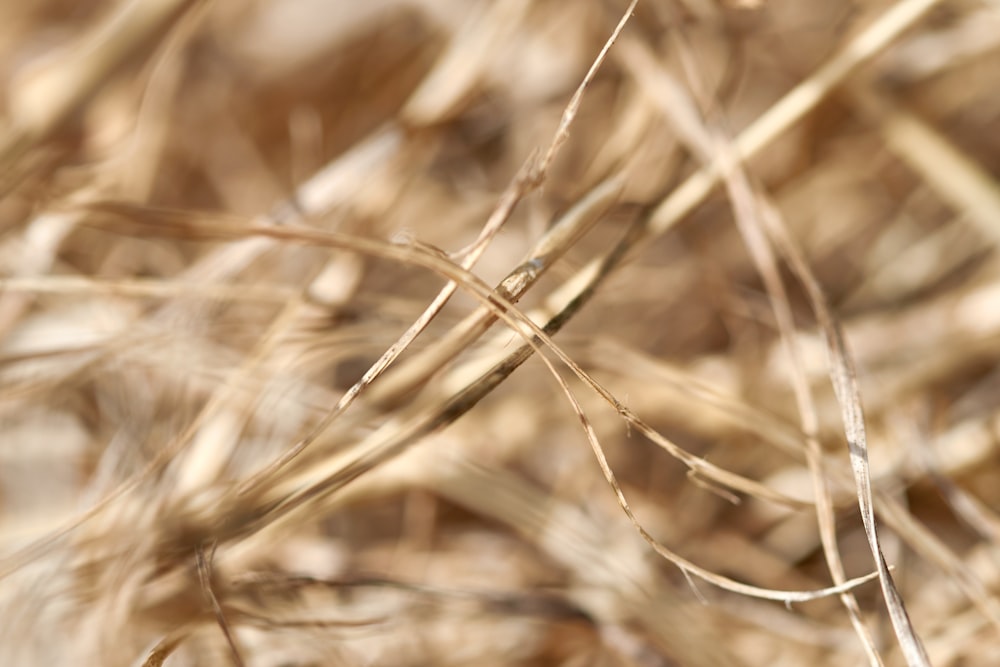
(464, 332)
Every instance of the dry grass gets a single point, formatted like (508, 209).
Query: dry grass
(429, 332)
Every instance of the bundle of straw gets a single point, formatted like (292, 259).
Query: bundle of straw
(468, 332)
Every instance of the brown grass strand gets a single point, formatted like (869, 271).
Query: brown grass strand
(204, 565)
(844, 380)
